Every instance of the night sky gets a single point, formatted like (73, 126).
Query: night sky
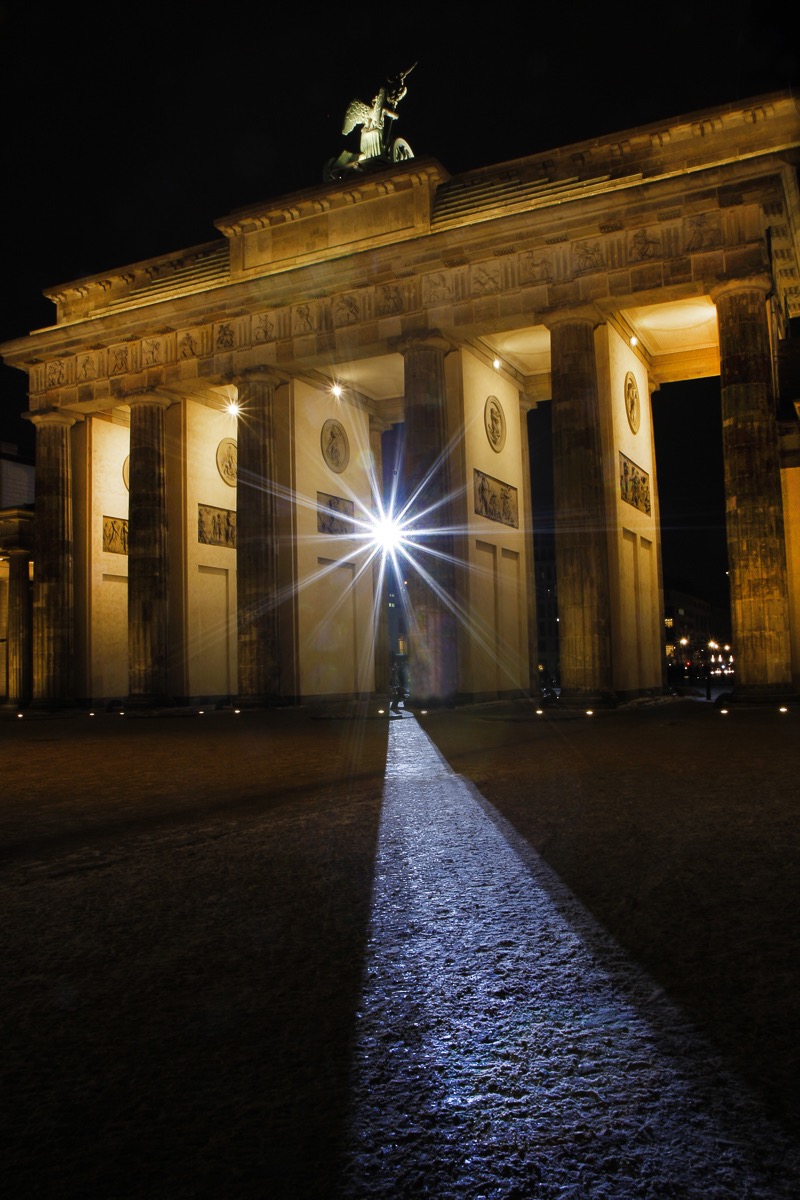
(127, 130)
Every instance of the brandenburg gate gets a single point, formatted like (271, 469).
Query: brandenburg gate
(211, 426)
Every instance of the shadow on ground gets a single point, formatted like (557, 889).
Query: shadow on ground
(186, 904)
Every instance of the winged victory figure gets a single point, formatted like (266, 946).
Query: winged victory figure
(376, 119)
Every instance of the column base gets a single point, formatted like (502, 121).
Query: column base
(587, 698)
(264, 700)
(149, 703)
(51, 705)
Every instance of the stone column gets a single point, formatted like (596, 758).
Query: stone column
(582, 573)
(379, 581)
(148, 562)
(19, 687)
(433, 659)
(53, 597)
(257, 543)
(533, 682)
(753, 500)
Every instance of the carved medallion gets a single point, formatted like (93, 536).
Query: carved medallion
(227, 461)
(126, 472)
(335, 446)
(632, 405)
(494, 422)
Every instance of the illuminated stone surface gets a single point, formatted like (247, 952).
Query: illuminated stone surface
(634, 233)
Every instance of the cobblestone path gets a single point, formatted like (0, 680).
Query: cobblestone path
(506, 1046)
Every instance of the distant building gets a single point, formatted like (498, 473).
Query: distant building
(694, 629)
(16, 478)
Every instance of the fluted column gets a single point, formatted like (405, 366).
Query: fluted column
(379, 580)
(257, 543)
(19, 685)
(426, 484)
(148, 564)
(580, 525)
(753, 500)
(53, 598)
(532, 680)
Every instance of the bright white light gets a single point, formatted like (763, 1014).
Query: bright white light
(496, 364)
(387, 533)
(336, 391)
(233, 408)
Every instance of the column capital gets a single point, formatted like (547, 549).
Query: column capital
(378, 424)
(424, 339)
(585, 314)
(259, 375)
(749, 283)
(52, 416)
(153, 398)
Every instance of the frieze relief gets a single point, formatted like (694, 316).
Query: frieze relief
(486, 279)
(703, 232)
(644, 244)
(334, 515)
(305, 319)
(194, 343)
(588, 256)
(59, 372)
(348, 309)
(389, 299)
(669, 236)
(87, 367)
(437, 288)
(153, 352)
(216, 526)
(225, 336)
(634, 484)
(495, 500)
(536, 267)
(262, 328)
(123, 358)
(115, 535)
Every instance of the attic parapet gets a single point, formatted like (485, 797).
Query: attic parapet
(132, 286)
(324, 223)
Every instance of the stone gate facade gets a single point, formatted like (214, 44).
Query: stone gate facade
(210, 427)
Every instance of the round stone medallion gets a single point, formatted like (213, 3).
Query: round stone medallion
(494, 421)
(632, 405)
(228, 461)
(126, 472)
(335, 446)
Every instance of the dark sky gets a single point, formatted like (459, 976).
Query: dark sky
(127, 130)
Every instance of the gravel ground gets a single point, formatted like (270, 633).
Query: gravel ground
(475, 954)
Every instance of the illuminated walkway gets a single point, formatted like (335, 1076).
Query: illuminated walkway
(506, 1048)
